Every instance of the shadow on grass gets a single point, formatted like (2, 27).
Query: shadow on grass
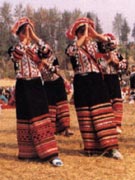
(8, 131)
(8, 145)
(128, 124)
(72, 152)
(10, 157)
(69, 141)
(127, 140)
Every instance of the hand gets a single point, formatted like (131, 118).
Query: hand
(44, 62)
(86, 29)
(33, 35)
(91, 32)
(83, 38)
(33, 56)
(95, 35)
(25, 37)
(114, 58)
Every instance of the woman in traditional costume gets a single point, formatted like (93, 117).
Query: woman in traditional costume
(91, 97)
(35, 133)
(54, 84)
(112, 62)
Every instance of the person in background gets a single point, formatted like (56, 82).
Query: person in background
(111, 62)
(132, 85)
(35, 133)
(91, 96)
(11, 101)
(3, 98)
(7, 99)
(71, 94)
(54, 84)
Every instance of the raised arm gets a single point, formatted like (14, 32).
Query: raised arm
(95, 35)
(33, 35)
(81, 38)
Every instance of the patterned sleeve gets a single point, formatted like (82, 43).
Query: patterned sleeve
(56, 62)
(45, 51)
(54, 65)
(93, 49)
(72, 50)
(17, 52)
(123, 63)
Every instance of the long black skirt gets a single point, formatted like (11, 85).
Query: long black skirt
(113, 85)
(58, 104)
(94, 112)
(35, 133)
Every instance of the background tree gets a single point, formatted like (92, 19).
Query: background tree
(19, 11)
(62, 41)
(125, 30)
(117, 24)
(6, 20)
(40, 19)
(90, 15)
(75, 14)
(133, 32)
(96, 20)
(29, 11)
(98, 26)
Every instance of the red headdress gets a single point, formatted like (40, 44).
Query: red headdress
(70, 33)
(112, 40)
(108, 46)
(110, 36)
(20, 22)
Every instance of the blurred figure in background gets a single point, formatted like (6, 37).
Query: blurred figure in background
(132, 85)
(57, 88)
(111, 62)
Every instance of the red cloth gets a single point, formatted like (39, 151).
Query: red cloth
(79, 22)
(111, 36)
(20, 22)
(112, 39)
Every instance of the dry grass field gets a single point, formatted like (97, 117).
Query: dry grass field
(76, 165)
(7, 82)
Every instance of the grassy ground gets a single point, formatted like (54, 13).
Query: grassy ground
(7, 82)
(76, 165)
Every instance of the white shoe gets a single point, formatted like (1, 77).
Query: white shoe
(56, 162)
(131, 101)
(118, 129)
(116, 154)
